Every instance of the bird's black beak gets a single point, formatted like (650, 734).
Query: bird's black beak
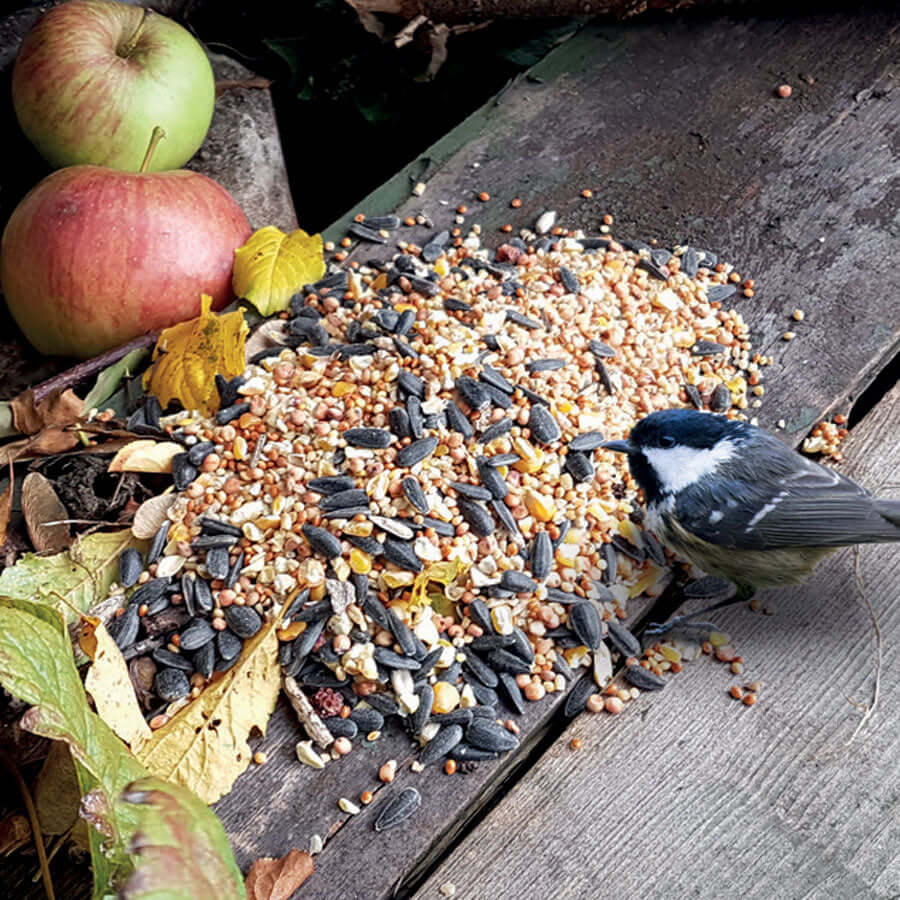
(619, 446)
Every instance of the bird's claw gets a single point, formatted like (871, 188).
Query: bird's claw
(655, 629)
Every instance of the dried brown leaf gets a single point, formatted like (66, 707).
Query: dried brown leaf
(15, 833)
(277, 879)
(6, 506)
(40, 506)
(56, 410)
(44, 443)
(150, 515)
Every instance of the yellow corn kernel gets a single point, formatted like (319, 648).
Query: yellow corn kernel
(532, 458)
(446, 697)
(288, 633)
(540, 506)
(358, 529)
(360, 562)
(342, 388)
(397, 578)
(341, 568)
(442, 267)
(239, 447)
(670, 653)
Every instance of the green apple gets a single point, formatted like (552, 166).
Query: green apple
(93, 78)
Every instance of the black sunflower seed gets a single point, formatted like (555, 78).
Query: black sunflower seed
(429, 661)
(586, 442)
(441, 744)
(200, 451)
(401, 554)
(205, 541)
(693, 394)
(451, 304)
(444, 529)
(398, 809)
(569, 280)
(489, 375)
(559, 596)
(472, 392)
(504, 661)
(707, 588)
(124, 628)
(416, 417)
(344, 499)
(503, 513)
(480, 614)
(517, 582)
(402, 633)
(497, 398)
(621, 639)
(543, 427)
(690, 262)
(171, 684)
(707, 348)
(158, 543)
(466, 753)
(405, 350)
(172, 660)
(541, 556)
(369, 545)
(230, 413)
(601, 350)
(304, 644)
(149, 591)
(579, 466)
(472, 491)
(654, 548)
(585, 621)
(413, 492)
(457, 716)
(371, 235)
(486, 696)
(243, 620)
(498, 429)
(398, 420)
(218, 562)
(331, 484)
(423, 285)
(341, 727)
(578, 697)
(638, 554)
(420, 717)
(511, 693)
(491, 479)
(386, 319)
(322, 541)
(204, 659)
(476, 516)
(345, 512)
(476, 668)
(203, 599)
(367, 719)
(414, 453)
(502, 459)
(649, 266)
(457, 420)
(721, 399)
(228, 644)
(183, 473)
(488, 735)
(719, 292)
(608, 552)
(390, 660)
(544, 365)
(131, 564)
(517, 318)
(198, 633)
(490, 641)
(369, 438)
(643, 678)
(605, 380)
(521, 646)
(209, 525)
(411, 384)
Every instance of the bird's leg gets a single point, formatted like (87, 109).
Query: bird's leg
(655, 629)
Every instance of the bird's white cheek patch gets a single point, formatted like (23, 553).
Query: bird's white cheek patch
(679, 467)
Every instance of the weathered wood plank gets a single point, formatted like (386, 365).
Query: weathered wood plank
(600, 116)
(689, 794)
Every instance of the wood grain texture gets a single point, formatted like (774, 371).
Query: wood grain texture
(690, 794)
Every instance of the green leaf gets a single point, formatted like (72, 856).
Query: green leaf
(111, 377)
(82, 574)
(37, 666)
(182, 851)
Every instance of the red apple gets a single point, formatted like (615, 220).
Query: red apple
(93, 78)
(93, 257)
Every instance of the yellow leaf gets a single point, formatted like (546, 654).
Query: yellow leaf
(109, 684)
(443, 573)
(145, 456)
(272, 266)
(204, 746)
(188, 356)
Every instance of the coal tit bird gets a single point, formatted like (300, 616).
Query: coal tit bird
(738, 503)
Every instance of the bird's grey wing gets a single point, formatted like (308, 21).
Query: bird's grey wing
(807, 506)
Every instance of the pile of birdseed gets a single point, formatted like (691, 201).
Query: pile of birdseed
(412, 480)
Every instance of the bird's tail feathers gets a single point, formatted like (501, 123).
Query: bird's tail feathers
(890, 509)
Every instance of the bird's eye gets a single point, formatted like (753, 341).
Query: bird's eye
(667, 441)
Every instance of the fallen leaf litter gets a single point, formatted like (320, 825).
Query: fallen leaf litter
(408, 481)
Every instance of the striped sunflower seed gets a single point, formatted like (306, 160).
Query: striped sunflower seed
(200, 451)
(491, 479)
(158, 543)
(204, 659)
(464, 752)
(341, 727)
(355, 497)
(586, 442)
(721, 399)
(481, 615)
(414, 453)
(131, 564)
(228, 644)
(198, 633)
(124, 628)
(476, 516)
(707, 348)
(171, 684)
(217, 562)
(369, 438)
(644, 679)
(243, 620)
(331, 484)
(694, 395)
(420, 717)
(488, 735)
(585, 621)
(411, 384)
(579, 466)
(504, 661)
(472, 491)
(457, 420)
(537, 366)
(398, 420)
(479, 670)
(719, 292)
(511, 692)
(601, 350)
(541, 555)
(401, 554)
(322, 541)
(367, 719)
(489, 375)
(498, 429)
(508, 520)
(402, 633)
(543, 427)
(578, 697)
(398, 809)
(391, 660)
(183, 473)
(517, 582)
(472, 393)
(654, 548)
(622, 639)
(441, 744)
(569, 280)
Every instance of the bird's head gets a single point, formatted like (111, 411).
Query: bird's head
(670, 450)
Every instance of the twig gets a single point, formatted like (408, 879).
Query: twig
(871, 706)
(90, 366)
(10, 764)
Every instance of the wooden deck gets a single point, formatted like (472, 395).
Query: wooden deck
(675, 127)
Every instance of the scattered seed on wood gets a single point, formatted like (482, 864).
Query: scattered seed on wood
(644, 679)
(398, 809)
